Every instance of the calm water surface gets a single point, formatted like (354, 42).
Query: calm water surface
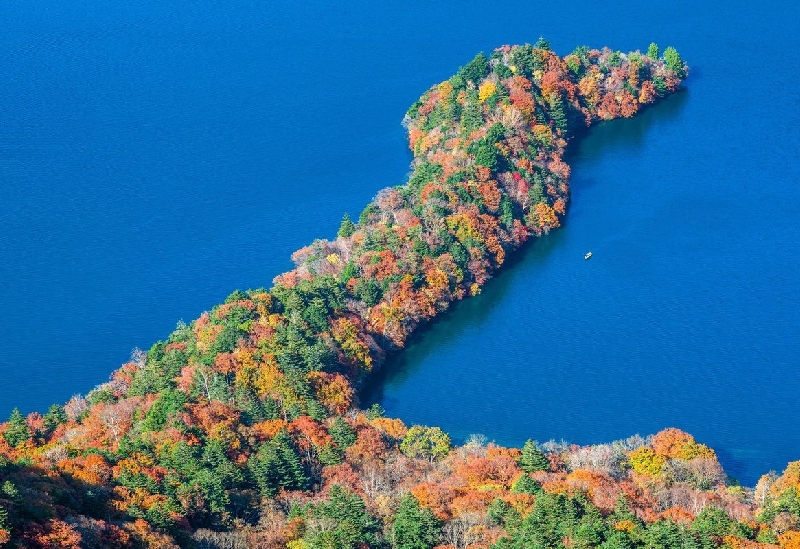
(155, 156)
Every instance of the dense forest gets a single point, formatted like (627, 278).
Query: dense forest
(243, 428)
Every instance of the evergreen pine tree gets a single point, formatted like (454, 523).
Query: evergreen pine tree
(290, 473)
(486, 155)
(663, 534)
(351, 525)
(414, 527)
(673, 60)
(17, 430)
(347, 228)
(262, 469)
(622, 511)
(526, 485)
(617, 540)
(476, 69)
(558, 114)
(553, 517)
(590, 530)
(277, 465)
(713, 522)
(497, 511)
(54, 417)
(330, 455)
(472, 115)
(343, 435)
(532, 458)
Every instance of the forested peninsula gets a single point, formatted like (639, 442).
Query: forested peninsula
(242, 429)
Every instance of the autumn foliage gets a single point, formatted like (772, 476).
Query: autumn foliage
(242, 428)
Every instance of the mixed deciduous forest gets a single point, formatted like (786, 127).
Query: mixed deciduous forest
(243, 428)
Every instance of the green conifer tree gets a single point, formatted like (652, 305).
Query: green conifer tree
(415, 527)
(664, 534)
(277, 465)
(532, 458)
(622, 511)
(476, 69)
(472, 115)
(54, 417)
(526, 485)
(290, 472)
(349, 525)
(347, 228)
(343, 435)
(330, 455)
(673, 60)
(558, 114)
(17, 431)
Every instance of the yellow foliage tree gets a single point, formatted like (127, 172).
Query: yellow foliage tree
(345, 333)
(486, 90)
(395, 428)
(646, 461)
(333, 391)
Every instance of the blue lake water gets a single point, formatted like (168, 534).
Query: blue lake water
(154, 156)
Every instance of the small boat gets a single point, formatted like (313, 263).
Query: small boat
(588, 255)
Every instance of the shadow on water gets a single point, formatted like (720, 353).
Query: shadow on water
(462, 316)
(626, 133)
(735, 468)
(470, 313)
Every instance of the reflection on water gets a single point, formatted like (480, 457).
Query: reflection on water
(463, 317)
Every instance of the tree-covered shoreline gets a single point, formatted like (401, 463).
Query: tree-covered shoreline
(242, 428)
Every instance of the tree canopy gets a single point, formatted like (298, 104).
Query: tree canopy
(242, 427)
